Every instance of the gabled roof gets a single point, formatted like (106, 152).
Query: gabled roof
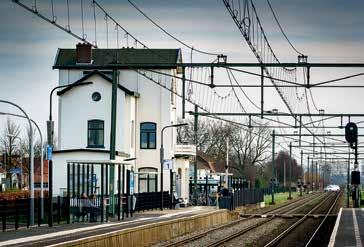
(208, 164)
(95, 72)
(140, 58)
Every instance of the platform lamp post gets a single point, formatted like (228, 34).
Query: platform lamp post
(162, 155)
(50, 133)
(31, 160)
(41, 158)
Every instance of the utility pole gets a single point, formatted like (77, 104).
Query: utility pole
(195, 164)
(273, 179)
(308, 174)
(317, 181)
(114, 95)
(312, 175)
(302, 174)
(348, 182)
(227, 164)
(320, 175)
(284, 173)
(290, 172)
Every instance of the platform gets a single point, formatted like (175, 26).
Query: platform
(59, 234)
(349, 228)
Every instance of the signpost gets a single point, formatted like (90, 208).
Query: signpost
(351, 136)
(15, 170)
(49, 152)
(167, 165)
(131, 183)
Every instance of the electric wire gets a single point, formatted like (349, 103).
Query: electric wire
(280, 27)
(169, 34)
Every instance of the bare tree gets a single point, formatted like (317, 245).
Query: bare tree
(8, 142)
(211, 137)
(24, 144)
(250, 150)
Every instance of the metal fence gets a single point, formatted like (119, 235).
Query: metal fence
(237, 183)
(240, 198)
(15, 213)
(277, 189)
(152, 200)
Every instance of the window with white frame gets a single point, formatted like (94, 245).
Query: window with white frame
(147, 181)
(95, 133)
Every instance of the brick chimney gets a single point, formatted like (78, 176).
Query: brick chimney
(83, 53)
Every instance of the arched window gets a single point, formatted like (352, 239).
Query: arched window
(148, 136)
(95, 134)
(147, 179)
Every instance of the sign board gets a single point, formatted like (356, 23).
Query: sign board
(167, 165)
(131, 183)
(15, 170)
(49, 152)
(185, 150)
(50, 131)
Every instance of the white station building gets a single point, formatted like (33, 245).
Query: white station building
(143, 109)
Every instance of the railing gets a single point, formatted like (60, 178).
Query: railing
(237, 184)
(152, 200)
(277, 189)
(241, 198)
(15, 213)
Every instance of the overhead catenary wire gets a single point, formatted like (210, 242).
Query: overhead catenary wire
(245, 94)
(280, 27)
(169, 34)
(260, 38)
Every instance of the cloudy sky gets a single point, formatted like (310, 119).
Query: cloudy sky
(325, 30)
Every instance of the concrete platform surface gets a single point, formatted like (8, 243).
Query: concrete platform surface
(44, 235)
(349, 228)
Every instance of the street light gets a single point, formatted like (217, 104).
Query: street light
(50, 126)
(162, 155)
(31, 159)
(41, 158)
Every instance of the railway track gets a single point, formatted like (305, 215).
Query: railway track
(267, 216)
(331, 203)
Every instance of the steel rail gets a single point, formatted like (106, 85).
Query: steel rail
(277, 210)
(323, 220)
(283, 234)
(245, 230)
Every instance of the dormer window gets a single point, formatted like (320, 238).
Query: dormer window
(95, 134)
